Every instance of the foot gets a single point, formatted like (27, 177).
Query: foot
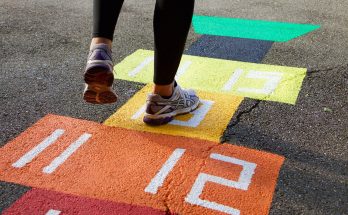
(160, 111)
(99, 76)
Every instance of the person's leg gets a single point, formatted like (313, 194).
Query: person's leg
(105, 16)
(172, 20)
(99, 70)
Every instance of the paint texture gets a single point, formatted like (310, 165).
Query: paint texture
(38, 201)
(212, 123)
(117, 164)
(251, 29)
(228, 48)
(212, 75)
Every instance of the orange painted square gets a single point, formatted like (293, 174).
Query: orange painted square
(117, 164)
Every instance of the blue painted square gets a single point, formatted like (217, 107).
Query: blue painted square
(229, 48)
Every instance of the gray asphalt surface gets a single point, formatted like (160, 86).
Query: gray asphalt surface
(43, 49)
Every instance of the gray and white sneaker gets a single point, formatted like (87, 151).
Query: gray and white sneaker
(160, 111)
(99, 76)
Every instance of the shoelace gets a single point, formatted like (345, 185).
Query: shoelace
(184, 94)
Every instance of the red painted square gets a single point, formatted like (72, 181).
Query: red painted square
(37, 201)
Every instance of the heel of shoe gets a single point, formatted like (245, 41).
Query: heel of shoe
(98, 86)
(99, 75)
(96, 94)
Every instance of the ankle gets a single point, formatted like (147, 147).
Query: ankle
(164, 90)
(101, 40)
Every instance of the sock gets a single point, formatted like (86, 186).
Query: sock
(167, 97)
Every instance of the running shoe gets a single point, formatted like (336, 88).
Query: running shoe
(160, 111)
(99, 76)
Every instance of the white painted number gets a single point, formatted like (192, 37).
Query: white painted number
(242, 184)
(29, 156)
(138, 69)
(194, 195)
(53, 212)
(233, 80)
(198, 115)
(158, 180)
(182, 69)
(272, 81)
(66, 153)
(139, 112)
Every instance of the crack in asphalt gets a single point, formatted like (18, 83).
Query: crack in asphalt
(314, 71)
(238, 117)
(206, 156)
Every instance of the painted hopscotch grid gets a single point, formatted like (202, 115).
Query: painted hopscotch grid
(229, 48)
(258, 81)
(201, 177)
(252, 29)
(39, 201)
(207, 122)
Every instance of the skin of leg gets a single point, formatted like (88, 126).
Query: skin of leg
(99, 40)
(98, 75)
(162, 7)
(105, 16)
(163, 90)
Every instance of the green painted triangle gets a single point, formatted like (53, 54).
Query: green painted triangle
(251, 29)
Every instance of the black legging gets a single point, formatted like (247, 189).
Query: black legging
(172, 20)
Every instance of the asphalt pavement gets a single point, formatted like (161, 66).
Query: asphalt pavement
(43, 50)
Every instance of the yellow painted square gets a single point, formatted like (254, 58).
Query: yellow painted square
(222, 108)
(258, 81)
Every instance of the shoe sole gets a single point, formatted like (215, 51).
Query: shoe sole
(166, 118)
(98, 86)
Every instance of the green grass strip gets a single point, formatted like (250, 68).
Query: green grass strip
(251, 29)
